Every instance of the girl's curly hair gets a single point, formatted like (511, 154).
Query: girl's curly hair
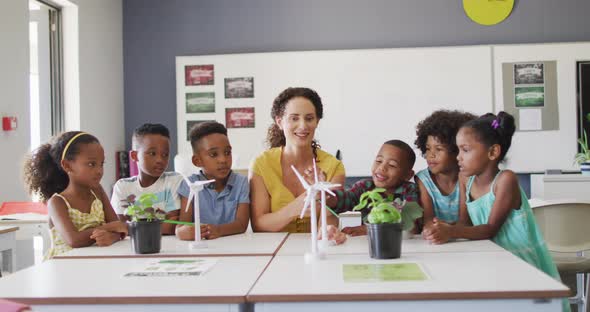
(43, 173)
(275, 136)
(443, 125)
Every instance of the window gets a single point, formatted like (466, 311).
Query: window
(583, 88)
(46, 86)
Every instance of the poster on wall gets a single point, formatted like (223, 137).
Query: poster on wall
(199, 75)
(529, 96)
(239, 117)
(528, 73)
(200, 102)
(193, 123)
(242, 87)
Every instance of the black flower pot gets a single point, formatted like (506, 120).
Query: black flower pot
(146, 237)
(385, 240)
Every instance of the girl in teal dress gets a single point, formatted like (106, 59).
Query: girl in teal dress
(492, 201)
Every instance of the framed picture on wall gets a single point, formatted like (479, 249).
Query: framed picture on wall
(193, 123)
(529, 73)
(239, 117)
(242, 87)
(200, 102)
(198, 75)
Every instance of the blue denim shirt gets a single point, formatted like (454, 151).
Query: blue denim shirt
(219, 208)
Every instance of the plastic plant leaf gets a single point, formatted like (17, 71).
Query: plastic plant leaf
(410, 212)
(362, 201)
(391, 214)
(147, 199)
(375, 217)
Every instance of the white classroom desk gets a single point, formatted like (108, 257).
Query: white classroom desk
(246, 244)
(100, 285)
(474, 281)
(299, 243)
(30, 225)
(8, 247)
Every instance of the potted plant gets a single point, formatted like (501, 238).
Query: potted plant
(387, 218)
(145, 223)
(583, 157)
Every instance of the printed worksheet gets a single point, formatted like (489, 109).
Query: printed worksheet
(174, 267)
(389, 272)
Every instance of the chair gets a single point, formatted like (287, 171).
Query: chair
(565, 226)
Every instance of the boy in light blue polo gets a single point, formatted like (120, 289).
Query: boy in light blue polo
(224, 204)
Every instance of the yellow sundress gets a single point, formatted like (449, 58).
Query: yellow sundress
(81, 221)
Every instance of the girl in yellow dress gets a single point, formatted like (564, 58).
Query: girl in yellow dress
(66, 175)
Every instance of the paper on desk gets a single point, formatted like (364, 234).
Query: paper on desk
(389, 272)
(174, 267)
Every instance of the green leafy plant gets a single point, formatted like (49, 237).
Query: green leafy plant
(388, 210)
(142, 209)
(584, 155)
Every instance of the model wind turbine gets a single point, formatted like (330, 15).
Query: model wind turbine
(195, 188)
(310, 202)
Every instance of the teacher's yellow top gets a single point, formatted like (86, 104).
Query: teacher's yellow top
(268, 166)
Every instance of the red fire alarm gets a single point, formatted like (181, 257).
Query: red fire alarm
(8, 123)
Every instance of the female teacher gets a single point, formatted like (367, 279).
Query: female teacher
(277, 196)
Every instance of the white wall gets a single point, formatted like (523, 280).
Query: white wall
(101, 84)
(14, 88)
(101, 77)
(369, 96)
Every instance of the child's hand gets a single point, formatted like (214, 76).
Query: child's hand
(355, 230)
(439, 232)
(104, 238)
(115, 226)
(333, 235)
(210, 231)
(427, 230)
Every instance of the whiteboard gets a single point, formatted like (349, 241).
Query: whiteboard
(369, 96)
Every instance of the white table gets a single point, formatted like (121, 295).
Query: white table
(298, 244)
(8, 247)
(246, 244)
(100, 285)
(474, 281)
(30, 225)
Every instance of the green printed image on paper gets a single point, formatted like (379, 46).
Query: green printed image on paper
(201, 102)
(529, 96)
(390, 272)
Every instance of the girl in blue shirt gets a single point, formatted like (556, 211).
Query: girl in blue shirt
(438, 184)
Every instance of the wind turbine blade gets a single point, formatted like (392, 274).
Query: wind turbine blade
(315, 171)
(305, 206)
(188, 202)
(301, 179)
